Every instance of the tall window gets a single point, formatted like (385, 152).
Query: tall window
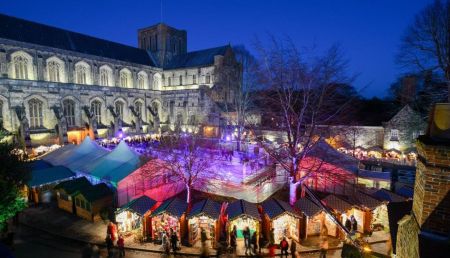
(96, 110)
(106, 76)
(69, 112)
(394, 135)
(125, 77)
(36, 115)
(119, 109)
(156, 81)
(169, 81)
(138, 108)
(208, 78)
(194, 79)
(142, 80)
(54, 71)
(21, 67)
(181, 80)
(82, 73)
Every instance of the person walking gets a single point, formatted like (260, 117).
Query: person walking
(174, 241)
(165, 243)
(233, 237)
(284, 245)
(254, 242)
(323, 248)
(293, 248)
(272, 237)
(354, 224)
(121, 246)
(348, 225)
(109, 245)
(246, 234)
(262, 241)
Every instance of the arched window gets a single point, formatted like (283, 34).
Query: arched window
(125, 78)
(96, 110)
(194, 79)
(138, 108)
(21, 65)
(54, 73)
(169, 83)
(106, 78)
(119, 109)
(69, 112)
(208, 78)
(181, 80)
(82, 73)
(142, 80)
(157, 81)
(36, 115)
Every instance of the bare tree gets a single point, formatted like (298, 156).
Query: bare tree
(183, 159)
(426, 43)
(301, 94)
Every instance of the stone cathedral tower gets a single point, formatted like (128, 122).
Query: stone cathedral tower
(426, 232)
(164, 42)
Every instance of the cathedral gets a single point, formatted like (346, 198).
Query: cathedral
(56, 86)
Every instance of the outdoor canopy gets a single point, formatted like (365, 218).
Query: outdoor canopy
(336, 203)
(114, 166)
(274, 208)
(49, 175)
(308, 207)
(173, 206)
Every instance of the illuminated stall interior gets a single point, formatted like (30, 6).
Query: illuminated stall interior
(339, 208)
(243, 214)
(169, 215)
(282, 218)
(134, 216)
(204, 215)
(313, 217)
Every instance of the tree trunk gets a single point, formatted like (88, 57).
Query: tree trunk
(293, 190)
(238, 143)
(188, 194)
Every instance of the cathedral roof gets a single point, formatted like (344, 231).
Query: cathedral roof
(198, 58)
(40, 34)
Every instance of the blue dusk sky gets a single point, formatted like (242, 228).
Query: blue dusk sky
(369, 31)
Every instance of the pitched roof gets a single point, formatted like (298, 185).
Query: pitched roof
(364, 200)
(39, 164)
(49, 175)
(242, 207)
(206, 207)
(95, 192)
(386, 195)
(74, 186)
(321, 149)
(274, 208)
(202, 57)
(140, 205)
(36, 33)
(173, 206)
(308, 207)
(336, 203)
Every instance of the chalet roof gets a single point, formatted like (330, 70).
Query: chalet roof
(274, 208)
(206, 207)
(95, 192)
(198, 58)
(140, 205)
(242, 207)
(336, 203)
(49, 175)
(173, 206)
(386, 195)
(36, 33)
(365, 201)
(321, 149)
(308, 207)
(74, 186)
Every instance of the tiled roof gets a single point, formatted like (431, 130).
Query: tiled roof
(74, 186)
(336, 203)
(241, 207)
(49, 175)
(308, 207)
(95, 192)
(206, 207)
(197, 58)
(173, 206)
(386, 195)
(274, 208)
(321, 149)
(17, 29)
(140, 205)
(365, 200)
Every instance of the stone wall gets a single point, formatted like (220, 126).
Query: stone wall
(407, 238)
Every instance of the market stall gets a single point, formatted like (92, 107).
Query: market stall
(204, 216)
(282, 218)
(313, 217)
(339, 207)
(169, 215)
(243, 214)
(91, 201)
(66, 190)
(135, 216)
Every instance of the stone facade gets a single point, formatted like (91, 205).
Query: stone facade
(46, 91)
